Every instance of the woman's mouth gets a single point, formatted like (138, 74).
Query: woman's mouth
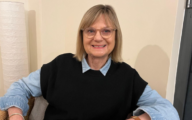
(98, 46)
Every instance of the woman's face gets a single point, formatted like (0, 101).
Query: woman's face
(99, 46)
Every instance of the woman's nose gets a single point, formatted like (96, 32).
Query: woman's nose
(98, 36)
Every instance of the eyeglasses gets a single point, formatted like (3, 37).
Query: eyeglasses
(104, 32)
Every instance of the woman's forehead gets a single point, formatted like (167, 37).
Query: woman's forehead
(102, 21)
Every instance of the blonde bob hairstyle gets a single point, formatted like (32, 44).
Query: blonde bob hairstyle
(88, 19)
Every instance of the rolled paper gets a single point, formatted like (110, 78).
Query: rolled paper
(13, 41)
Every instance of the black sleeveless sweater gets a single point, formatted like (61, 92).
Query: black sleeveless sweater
(73, 95)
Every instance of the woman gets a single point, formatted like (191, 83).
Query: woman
(93, 84)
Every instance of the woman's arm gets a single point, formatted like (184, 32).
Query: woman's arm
(155, 107)
(19, 92)
(13, 110)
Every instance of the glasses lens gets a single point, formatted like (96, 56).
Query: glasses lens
(106, 32)
(90, 32)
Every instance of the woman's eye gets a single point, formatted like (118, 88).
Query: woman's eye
(90, 31)
(107, 31)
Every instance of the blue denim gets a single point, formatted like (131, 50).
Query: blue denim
(150, 101)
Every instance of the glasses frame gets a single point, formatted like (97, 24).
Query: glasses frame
(99, 32)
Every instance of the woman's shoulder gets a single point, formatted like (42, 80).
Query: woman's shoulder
(66, 59)
(62, 58)
(123, 67)
(65, 55)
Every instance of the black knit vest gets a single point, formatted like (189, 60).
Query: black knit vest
(73, 95)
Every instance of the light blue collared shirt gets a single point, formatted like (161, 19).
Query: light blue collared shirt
(103, 70)
(150, 101)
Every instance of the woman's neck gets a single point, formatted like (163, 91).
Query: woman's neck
(96, 63)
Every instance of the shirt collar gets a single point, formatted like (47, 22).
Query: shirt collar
(103, 70)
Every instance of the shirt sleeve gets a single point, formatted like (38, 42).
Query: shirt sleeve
(19, 92)
(155, 106)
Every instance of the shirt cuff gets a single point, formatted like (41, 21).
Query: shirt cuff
(16, 101)
(154, 115)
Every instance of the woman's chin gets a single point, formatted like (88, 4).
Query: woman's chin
(101, 56)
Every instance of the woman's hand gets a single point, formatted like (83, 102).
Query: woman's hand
(144, 116)
(13, 110)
